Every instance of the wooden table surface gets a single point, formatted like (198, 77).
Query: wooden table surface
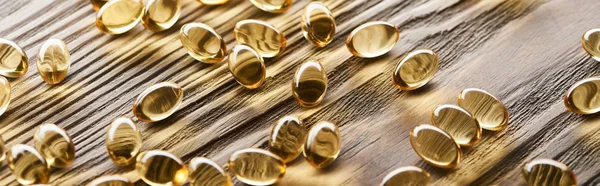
(526, 52)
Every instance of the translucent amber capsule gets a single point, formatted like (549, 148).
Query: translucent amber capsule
(27, 164)
(119, 16)
(487, 109)
(97, 4)
(13, 61)
(318, 24)
(55, 145)
(256, 166)
(309, 84)
(273, 6)
(204, 172)
(112, 180)
(415, 69)
(591, 43)
(160, 15)
(323, 144)
(435, 146)
(54, 61)
(158, 102)
(287, 138)
(123, 141)
(202, 42)
(584, 96)
(247, 66)
(2, 149)
(457, 122)
(157, 167)
(4, 94)
(263, 37)
(372, 39)
(213, 2)
(544, 172)
(407, 176)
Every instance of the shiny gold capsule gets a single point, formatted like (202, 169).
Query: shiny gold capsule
(544, 172)
(584, 96)
(256, 166)
(157, 167)
(457, 122)
(2, 150)
(407, 176)
(318, 24)
(112, 180)
(28, 165)
(202, 42)
(123, 141)
(247, 66)
(160, 15)
(212, 2)
(435, 146)
(55, 145)
(54, 61)
(372, 39)
(158, 102)
(309, 84)
(119, 16)
(13, 61)
(204, 172)
(591, 43)
(4, 94)
(263, 37)
(487, 109)
(415, 69)
(97, 4)
(287, 138)
(273, 6)
(323, 144)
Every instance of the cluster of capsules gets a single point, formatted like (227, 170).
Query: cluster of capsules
(583, 97)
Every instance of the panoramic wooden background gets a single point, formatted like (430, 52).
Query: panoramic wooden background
(526, 52)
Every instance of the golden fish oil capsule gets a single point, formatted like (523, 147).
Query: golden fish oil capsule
(157, 167)
(123, 141)
(309, 84)
(256, 166)
(591, 43)
(318, 24)
(247, 66)
(584, 96)
(28, 165)
(203, 43)
(204, 172)
(97, 4)
(55, 145)
(158, 102)
(2, 150)
(273, 6)
(458, 123)
(415, 69)
(263, 37)
(160, 15)
(213, 2)
(287, 138)
(489, 111)
(407, 176)
(112, 180)
(54, 61)
(323, 144)
(544, 172)
(119, 16)
(13, 61)
(435, 146)
(5, 92)
(372, 39)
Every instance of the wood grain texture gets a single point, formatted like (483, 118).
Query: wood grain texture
(526, 52)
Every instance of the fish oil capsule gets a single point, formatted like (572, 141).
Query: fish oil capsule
(309, 84)
(263, 37)
(287, 138)
(247, 66)
(584, 96)
(544, 172)
(415, 69)
(160, 15)
(407, 176)
(158, 102)
(13, 61)
(204, 172)
(591, 43)
(27, 164)
(256, 166)
(487, 109)
(435, 146)
(157, 167)
(372, 39)
(458, 123)
(112, 180)
(4, 94)
(273, 6)
(2, 150)
(323, 144)
(318, 24)
(55, 145)
(123, 141)
(202, 42)
(53, 61)
(97, 4)
(213, 2)
(119, 16)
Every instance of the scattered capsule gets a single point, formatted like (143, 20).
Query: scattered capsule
(119, 16)
(407, 176)
(112, 180)
(435, 146)
(372, 39)
(213, 2)
(263, 37)
(158, 102)
(28, 165)
(2, 150)
(123, 141)
(157, 167)
(4, 94)
(487, 109)
(318, 24)
(13, 61)
(97, 4)
(247, 66)
(591, 43)
(53, 61)
(415, 69)
(584, 96)
(202, 42)
(55, 145)
(273, 6)
(160, 15)
(256, 166)
(204, 172)
(287, 138)
(544, 172)
(323, 144)
(458, 123)
(309, 84)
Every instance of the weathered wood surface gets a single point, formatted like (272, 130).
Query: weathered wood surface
(526, 52)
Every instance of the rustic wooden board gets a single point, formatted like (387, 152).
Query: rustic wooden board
(526, 52)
